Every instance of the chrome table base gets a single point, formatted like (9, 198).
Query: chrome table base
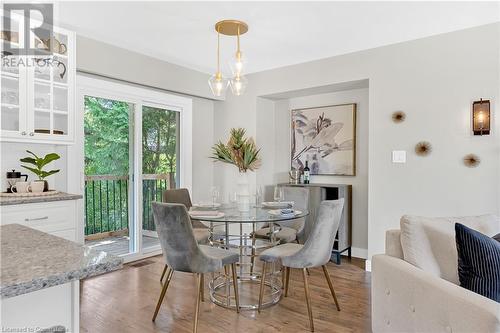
(238, 237)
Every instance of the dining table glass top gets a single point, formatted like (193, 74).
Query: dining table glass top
(254, 215)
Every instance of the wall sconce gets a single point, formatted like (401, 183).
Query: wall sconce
(481, 117)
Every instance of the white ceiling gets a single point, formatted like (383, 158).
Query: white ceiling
(280, 33)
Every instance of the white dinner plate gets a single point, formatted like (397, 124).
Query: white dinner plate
(207, 205)
(277, 212)
(276, 204)
(217, 216)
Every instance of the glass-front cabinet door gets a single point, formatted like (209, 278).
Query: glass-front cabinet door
(38, 94)
(50, 89)
(13, 83)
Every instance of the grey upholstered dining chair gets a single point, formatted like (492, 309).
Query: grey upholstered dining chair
(181, 196)
(314, 253)
(182, 253)
(290, 231)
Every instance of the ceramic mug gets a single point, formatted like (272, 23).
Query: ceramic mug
(53, 45)
(20, 187)
(36, 186)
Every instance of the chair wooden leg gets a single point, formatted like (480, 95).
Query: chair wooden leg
(329, 280)
(235, 285)
(308, 299)
(163, 273)
(202, 291)
(283, 277)
(262, 280)
(163, 292)
(197, 304)
(287, 281)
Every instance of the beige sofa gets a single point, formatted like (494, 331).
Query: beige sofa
(415, 285)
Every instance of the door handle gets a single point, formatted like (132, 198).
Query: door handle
(36, 219)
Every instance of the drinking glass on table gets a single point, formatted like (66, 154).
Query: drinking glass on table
(215, 195)
(258, 196)
(233, 198)
(278, 194)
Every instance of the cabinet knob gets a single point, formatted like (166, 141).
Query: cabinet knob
(31, 133)
(23, 133)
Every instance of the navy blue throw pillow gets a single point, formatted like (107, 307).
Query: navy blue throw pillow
(478, 262)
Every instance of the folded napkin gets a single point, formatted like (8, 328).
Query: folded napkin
(203, 213)
(287, 212)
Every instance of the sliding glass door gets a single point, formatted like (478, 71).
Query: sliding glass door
(134, 149)
(160, 172)
(108, 169)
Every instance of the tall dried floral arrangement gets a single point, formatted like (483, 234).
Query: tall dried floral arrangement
(239, 151)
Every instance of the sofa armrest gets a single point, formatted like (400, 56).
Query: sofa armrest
(408, 299)
(393, 246)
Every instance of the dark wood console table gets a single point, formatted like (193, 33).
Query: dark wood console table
(319, 192)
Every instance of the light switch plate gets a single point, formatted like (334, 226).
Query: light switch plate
(398, 156)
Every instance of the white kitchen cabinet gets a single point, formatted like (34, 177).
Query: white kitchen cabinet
(58, 305)
(37, 101)
(58, 218)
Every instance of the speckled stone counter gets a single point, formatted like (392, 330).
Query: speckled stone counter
(32, 260)
(5, 201)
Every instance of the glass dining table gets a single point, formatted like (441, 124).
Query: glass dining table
(236, 231)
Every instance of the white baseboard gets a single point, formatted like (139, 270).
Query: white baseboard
(357, 252)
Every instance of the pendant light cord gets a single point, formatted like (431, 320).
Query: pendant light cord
(218, 51)
(238, 39)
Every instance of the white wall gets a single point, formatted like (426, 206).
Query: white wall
(96, 57)
(360, 181)
(434, 80)
(203, 134)
(273, 136)
(12, 152)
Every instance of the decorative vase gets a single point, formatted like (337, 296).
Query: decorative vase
(243, 193)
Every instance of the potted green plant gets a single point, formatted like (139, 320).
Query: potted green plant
(241, 152)
(38, 164)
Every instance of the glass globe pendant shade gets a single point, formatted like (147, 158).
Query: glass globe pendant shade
(238, 84)
(238, 64)
(218, 85)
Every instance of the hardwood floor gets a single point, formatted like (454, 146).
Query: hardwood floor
(124, 301)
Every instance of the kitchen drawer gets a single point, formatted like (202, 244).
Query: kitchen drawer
(47, 216)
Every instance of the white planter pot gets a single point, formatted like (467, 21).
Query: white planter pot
(243, 193)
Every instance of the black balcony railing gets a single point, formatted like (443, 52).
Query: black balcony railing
(152, 190)
(107, 201)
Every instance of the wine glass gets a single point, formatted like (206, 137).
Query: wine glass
(258, 196)
(233, 198)
(278, 193)
(215, 195)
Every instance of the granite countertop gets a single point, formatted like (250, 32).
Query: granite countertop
(34, 260)
(5, 201)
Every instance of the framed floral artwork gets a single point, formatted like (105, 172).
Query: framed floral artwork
(326, 138)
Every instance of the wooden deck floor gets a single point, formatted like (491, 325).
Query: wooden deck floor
(118, 245)
(124, 301)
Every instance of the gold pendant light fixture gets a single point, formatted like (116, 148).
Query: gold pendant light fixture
(238, 82)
